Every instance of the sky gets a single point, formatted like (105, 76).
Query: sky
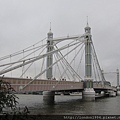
(24, 22)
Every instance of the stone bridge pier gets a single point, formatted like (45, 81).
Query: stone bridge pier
(48, 96)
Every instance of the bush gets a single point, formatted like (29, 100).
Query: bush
(8, 99)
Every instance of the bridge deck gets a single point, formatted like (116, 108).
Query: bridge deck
(49, 85)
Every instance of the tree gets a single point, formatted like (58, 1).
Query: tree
(7, 96)
(8, 99)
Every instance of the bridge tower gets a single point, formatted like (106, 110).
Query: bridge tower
(49, 74)
(88, 93)
(48, 96)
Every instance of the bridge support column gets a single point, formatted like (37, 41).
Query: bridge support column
(88, 94)
(103, 94)
(48, 96)
(112, 93)
(118, 87)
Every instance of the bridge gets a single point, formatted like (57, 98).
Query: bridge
(51, 85)
(58, 65)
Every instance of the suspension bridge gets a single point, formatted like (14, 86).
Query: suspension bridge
(68, 64)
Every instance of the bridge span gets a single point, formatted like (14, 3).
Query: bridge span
(51, 85)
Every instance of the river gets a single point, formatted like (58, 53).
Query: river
(70, 105)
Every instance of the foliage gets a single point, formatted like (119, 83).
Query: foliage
(7, 96)
(8, 100)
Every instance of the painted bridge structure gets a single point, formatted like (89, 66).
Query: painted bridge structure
(88, 85)
(51, 85)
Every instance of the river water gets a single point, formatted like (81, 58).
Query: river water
(70, 105)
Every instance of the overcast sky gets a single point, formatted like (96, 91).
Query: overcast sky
(24, 22)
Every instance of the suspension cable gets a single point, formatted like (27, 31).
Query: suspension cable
(21, 51)
(96, 59)
(32, 63)
(65, 71)
(69, 64)
(96, 66)
(23, 64)
(63, 68)
(19, 60)
(37, 58)
(94, 71)
(42, 65)
(26, 69)
(81, 57)
(57, 65)
(10, 62)
(49, 67)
